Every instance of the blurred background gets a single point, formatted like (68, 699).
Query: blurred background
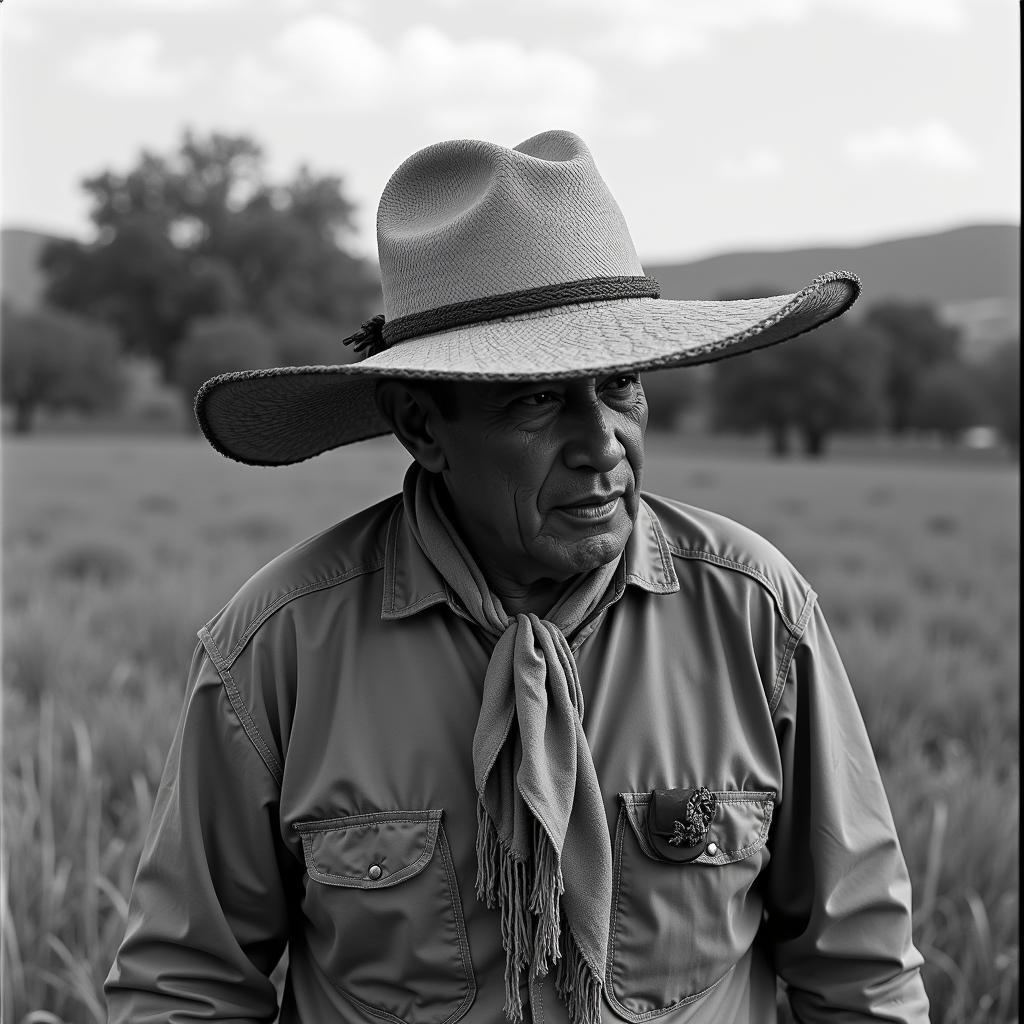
(190, 186)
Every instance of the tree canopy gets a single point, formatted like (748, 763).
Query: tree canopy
(915, 341)
(202, 233)
(221, 344)
(51, 359)
(811, 386)
(1001, 384)
(948, 398)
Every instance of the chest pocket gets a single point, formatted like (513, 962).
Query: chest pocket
(385, 914)
(679, 927)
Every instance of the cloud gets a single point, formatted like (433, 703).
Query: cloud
(658, 32)
(755, 164)
(655, 32)
(932, 15)
(17, 27)
(327, 62)
(129, 66)
(487, 78)
(181, 6)
(255, 83)
(143, 7)
(931, 143)
(329, 58)
(634, 126)
(649, 44)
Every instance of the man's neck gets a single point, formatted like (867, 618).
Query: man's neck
(538, 598)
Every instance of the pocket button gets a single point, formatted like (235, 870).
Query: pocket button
(375, 871)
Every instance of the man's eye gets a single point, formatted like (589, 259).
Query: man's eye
(539, 398)
(625, 382)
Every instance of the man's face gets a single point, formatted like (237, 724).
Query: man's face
(545, 477)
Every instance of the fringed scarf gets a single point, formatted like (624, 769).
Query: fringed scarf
(543, 850)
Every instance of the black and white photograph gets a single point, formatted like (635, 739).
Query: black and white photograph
(510, 512)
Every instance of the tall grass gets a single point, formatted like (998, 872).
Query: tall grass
(115, 552)
(64, 906)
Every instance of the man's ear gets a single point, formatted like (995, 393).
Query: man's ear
(413, 418)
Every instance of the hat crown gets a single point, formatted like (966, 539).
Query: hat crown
(464, 220)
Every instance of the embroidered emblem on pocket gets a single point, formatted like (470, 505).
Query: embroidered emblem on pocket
(700, 809)
(678, 821)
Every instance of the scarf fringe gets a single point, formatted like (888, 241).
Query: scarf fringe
(531, 929)
(544, 905)
(530, 914)
(577, 985)
(501, 882)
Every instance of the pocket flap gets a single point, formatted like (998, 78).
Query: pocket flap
(738, 829)
(369, 851)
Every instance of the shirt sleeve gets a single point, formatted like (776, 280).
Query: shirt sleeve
(838, 893)
(207, 919)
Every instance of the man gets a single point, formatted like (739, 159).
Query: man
(522, 740)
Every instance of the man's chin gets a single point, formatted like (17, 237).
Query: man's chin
(582, 554)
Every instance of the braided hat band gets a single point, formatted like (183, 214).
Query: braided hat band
(377, 334)
(498, 264)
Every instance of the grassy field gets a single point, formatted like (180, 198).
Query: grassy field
(116, 551)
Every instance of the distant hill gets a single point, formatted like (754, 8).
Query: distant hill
(971, 274)
(962, 265)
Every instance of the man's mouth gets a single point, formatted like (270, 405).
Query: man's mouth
(595, 508)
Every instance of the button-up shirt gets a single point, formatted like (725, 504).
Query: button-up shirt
(319, 798)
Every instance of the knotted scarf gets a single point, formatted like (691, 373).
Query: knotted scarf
(543, 850)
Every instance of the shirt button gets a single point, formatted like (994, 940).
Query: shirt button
(712, 849)
(375, 871)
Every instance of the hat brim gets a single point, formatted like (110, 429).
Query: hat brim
(280, 416)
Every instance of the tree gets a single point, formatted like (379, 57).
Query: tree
(305, 342)
(284, 270)
(814, 385)
(127, 282)
(212, 178)
(756, 394)
(915, 339)
(1000, 376)
(948, 399)
(50, 359)
(200, 233)
(220, 345)
(671, 393)
(755, 399)
(186, 196)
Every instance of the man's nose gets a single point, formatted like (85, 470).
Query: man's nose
(593, 443)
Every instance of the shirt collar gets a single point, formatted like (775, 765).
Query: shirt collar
(412, 584)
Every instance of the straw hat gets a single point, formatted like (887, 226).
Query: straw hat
(498, 264)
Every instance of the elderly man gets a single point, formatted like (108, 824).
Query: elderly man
(522, 740)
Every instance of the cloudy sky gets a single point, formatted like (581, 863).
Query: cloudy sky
(718, 124)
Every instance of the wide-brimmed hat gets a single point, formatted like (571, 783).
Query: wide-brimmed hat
(498, 265)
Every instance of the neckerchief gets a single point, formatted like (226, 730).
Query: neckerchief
(543, 850)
